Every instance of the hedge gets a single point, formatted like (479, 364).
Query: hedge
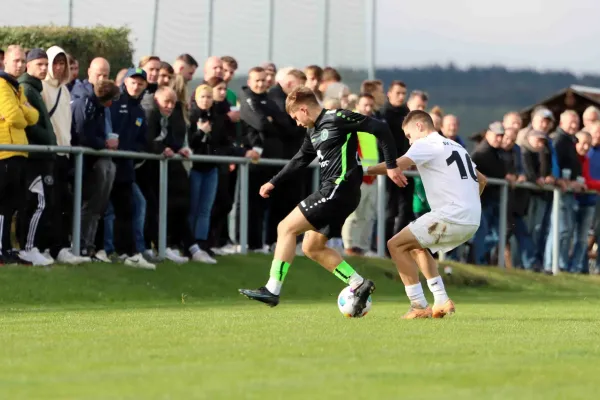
(83, 43)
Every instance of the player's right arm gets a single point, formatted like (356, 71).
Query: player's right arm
(482, 181)
(303, 157)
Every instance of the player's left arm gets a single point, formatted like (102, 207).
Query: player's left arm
(404, 163)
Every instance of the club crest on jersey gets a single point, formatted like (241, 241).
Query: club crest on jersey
(324, 135)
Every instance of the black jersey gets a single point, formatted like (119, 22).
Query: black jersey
(334, 141)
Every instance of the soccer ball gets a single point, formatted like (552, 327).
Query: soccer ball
(345, 301)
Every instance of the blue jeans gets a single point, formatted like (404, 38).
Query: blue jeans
(539, 212)
(203, 189)
(584, 218)
(566, 224)
(486, 236)
(526, 254)
(109, 229)
(139, 218)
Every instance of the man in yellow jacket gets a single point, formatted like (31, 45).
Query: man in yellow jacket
(15, 115)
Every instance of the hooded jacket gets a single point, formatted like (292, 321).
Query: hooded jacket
(15, 115)
(42, 132)
(88, 124)
(259, 132)
(61, 118)
(566, 154)
(129, 122)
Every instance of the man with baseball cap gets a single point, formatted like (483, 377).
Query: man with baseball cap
(129, 127)
(39, 171)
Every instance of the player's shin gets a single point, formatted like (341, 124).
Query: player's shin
(429, 268)
(348, 275)
(277, 274)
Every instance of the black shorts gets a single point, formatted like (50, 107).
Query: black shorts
(327, 209)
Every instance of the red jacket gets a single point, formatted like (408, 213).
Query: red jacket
(592, 184)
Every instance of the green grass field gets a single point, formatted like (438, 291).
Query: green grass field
(111, 332)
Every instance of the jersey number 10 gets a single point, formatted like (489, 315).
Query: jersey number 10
(456, 158)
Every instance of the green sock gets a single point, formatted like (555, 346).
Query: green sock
(279, 270)
(277, 274)
(344, 271)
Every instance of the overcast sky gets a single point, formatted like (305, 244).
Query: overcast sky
(551, 34)
(517, 33)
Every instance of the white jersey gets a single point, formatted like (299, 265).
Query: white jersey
(449, 178)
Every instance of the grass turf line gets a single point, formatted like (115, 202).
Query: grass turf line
(104, 331)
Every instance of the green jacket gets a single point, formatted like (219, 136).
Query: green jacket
(41, 133)
(420, 204)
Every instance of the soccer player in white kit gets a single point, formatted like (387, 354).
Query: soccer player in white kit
(453, 187)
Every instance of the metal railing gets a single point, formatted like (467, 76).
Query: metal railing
(79, 152)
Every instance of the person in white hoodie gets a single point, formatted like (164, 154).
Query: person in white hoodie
(57, 98)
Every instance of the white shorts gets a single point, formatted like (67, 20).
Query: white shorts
(439, 235)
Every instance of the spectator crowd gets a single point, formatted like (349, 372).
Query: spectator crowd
(149, 108)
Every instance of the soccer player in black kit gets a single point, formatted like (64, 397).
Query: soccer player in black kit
(332, 137)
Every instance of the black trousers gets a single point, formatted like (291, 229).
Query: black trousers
(60, 211)
(12, 193)
(178, 204)
(257, 206)
(399, 211)
(35, 212)
(147, 177)
(121, 199)
(224, 200)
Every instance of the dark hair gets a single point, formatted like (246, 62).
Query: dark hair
(397, 83)
(106, 90)
(71, 59)
(331, 74)
(188, 59)
(1, 52)
(367, 95)
(370, 86)
(167, 66)
(418, 116)
(256, 69)
(230, 61)
(214, 81)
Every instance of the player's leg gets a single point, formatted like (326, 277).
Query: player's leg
(285, 250)
(406, 250)
(315, 247)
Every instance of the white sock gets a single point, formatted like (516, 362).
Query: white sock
(415, 295)
(355, 280)
(194, 249)
(436, 285)
(274, 286)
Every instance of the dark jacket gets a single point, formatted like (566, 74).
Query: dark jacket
(88, 123)
(216, 142)
(258, 130)
(129, 122)
(163, 132)
(394, 116)
(566, 153)
(41, 133)
(294, 136)
(489, 163)
(513, 164)
(536, 164)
